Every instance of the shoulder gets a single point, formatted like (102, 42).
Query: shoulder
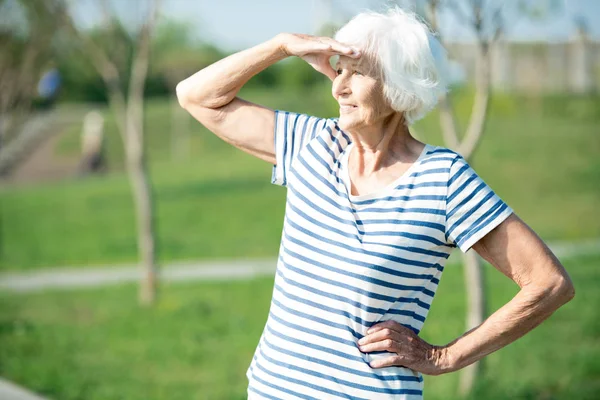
(445, 165)
(294, 120)
(441, 157)
(291, 115)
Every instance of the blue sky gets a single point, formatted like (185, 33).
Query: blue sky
(237, 24)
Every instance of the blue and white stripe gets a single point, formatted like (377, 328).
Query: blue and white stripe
(347, 262)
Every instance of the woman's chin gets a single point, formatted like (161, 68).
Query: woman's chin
(346, 123)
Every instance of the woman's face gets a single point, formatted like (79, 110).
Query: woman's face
(359, 92)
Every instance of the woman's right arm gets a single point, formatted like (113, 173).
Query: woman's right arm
(210, 95)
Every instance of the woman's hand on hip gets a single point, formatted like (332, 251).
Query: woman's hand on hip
(316, 50)
(411, 351)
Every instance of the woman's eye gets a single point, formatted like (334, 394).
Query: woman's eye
(339, 72)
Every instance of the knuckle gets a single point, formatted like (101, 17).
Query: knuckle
(388, 343)
(387, 331)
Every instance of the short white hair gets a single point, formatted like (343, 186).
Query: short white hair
(409, 59)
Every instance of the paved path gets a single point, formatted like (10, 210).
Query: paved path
(10, 391)
(200, 270)
(101, 276)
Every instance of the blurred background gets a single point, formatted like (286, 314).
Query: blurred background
(137, 249)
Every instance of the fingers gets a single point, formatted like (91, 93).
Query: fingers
(302, 44)
(345, 51)
(383, 340)
(390, 324)
(383, 333)
(386, 336)
(393, 361)
(393, 337)
(339, 48)
(390, 345)
(328, 71)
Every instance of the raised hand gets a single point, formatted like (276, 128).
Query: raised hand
(316, 50)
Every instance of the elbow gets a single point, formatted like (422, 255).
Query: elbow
(563, 289)
(187, 95)
(550, 293)
(182, 95)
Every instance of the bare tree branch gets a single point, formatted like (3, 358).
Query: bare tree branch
(457, 10)
(447, 117)
(139, 71)
(479, 111)
(140, 61)
(129, 116)
(106, 68)
(107, 13)
(25, 53)
(466, 147)
(498, 21)
(448, 122)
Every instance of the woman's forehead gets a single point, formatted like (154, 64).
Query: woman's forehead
(364, 63)
(349, 61)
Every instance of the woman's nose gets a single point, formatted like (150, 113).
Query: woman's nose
(340, 86)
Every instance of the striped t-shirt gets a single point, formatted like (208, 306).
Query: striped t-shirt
(347, 262)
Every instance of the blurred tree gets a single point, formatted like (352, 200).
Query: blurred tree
(487, 21)
(113, 60)
(83, 83)
(81, 78)
(27, 31)
(175, 56)
(487, 30)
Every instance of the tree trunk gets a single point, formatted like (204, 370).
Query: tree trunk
(474, 281)
(2, 130)
(142, 198)
(466, 146)
(128, 111)
(479, 112)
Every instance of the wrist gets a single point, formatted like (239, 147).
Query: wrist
(280, 43)
(442, 359)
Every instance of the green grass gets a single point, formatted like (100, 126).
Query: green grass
(539, 155)
(199, 339)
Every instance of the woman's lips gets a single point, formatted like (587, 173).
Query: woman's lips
(347, 108)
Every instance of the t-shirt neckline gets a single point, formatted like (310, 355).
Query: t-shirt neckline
(381, 192)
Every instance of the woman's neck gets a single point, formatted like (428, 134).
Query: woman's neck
(383, 144)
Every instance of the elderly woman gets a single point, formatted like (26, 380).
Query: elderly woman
(372, 215)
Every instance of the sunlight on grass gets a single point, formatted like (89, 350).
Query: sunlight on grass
(199, 339)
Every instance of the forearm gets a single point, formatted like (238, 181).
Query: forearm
(219, 83)
(525, 311)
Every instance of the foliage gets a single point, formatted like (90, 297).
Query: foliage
(543, 161)
(175, 55)
(27, 30)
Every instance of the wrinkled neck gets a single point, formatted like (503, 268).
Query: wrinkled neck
(382, 144)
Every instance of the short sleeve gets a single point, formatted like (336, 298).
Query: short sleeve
(472, 207)
(292, 132)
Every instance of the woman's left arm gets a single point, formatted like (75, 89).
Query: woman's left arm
(516, 251)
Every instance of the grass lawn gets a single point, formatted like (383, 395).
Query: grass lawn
(199, 340)
(540, 156)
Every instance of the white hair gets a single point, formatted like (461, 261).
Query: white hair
(408, 57)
